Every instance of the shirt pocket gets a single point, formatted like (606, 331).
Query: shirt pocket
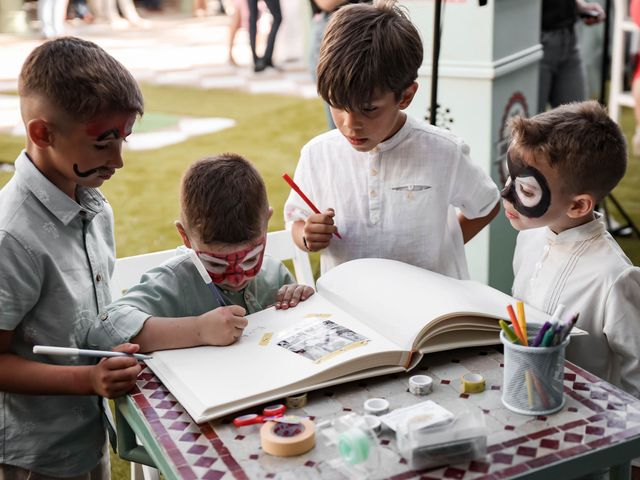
(411, 192)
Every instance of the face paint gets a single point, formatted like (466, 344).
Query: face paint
(113, 127)
(84, 174)
(527, 189)
(235, 267)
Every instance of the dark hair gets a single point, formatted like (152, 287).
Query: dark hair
(581, 141)
(79, 78)
(367, 48)
(224, 199)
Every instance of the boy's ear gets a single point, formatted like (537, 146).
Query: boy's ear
(270, 212)
(39, 132)
(581, 205)
(407, 95)
(183, 234)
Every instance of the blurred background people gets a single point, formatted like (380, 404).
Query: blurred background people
(266, 60)
(52, 15)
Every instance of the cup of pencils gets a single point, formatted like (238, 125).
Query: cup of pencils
(534, 362)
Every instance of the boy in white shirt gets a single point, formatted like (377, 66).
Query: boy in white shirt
(561, 163)
(392, 182)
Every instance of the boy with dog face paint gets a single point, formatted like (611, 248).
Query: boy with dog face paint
(561, 162)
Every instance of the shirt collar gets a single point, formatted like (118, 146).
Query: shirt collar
(64, 208)
(580, 233)
(398, 137)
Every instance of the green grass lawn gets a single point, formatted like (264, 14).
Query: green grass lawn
(270, 131)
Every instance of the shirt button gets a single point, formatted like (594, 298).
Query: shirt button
(538, 265)
(98, 278)
(373, 194)
(104, 316)
(374, 172)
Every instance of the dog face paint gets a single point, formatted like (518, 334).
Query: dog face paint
(526, 189)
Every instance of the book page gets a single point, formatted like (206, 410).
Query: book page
(404, 302)
(311, 343)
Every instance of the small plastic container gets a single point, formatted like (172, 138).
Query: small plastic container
(533, 377)
(462, 439)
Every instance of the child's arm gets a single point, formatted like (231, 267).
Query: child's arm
(221, 326)
(471, 227)
(290, 295)
(315, 233)
(111, 377)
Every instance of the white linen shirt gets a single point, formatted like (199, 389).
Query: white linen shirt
(396, 201)
(584, 269)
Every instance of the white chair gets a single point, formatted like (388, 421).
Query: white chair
(622, 25)
(128, 270)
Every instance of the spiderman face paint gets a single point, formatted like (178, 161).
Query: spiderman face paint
(526, 189)
(234, 270)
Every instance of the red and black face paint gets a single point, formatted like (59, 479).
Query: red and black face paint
(526, 189)
(234, 268)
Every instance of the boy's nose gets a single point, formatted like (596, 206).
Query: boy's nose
(351, 120)
(116, 160)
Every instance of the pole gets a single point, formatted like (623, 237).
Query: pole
(434, 61)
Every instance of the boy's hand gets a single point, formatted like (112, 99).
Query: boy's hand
(222, 326)
(114, 377)
(290, 295)
(318, 229)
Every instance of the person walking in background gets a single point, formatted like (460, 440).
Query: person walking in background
(321, 11)
(562, 72)
(634, 12)
(52, 14)
(239, 17)
(260, 63)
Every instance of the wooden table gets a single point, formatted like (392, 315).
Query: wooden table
(598, 427)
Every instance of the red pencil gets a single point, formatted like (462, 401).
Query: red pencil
(296, 188)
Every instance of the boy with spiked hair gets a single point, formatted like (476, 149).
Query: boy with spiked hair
(392, 182)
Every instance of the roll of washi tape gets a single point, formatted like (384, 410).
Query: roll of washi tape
(373, 423)
(420, 384)
(354, 446)
(376, 406)
(283, 439)
(296, 401)
(472, 383)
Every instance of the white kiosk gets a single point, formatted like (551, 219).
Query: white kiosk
(488, 72)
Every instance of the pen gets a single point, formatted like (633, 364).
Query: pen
(206, 278)
(512, 337)
(72, 352)
(538, 339)
(521, 318)
(516, 328)
(572, 322)
(296, 188)
(548, 336)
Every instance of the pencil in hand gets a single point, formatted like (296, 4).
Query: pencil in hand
(297, 189)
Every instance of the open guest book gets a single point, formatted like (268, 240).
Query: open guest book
(368, 317)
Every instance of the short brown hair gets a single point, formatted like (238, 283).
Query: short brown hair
(367, 48)
(224, 199)
(79, 78)
(581, 141)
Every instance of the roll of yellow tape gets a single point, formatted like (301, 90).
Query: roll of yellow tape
(288, 439)
(296, 401)
(472, 383)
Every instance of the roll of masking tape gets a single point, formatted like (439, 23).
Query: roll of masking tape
(373, 423)
(296, 401)
(288, 439)
(376, 406)
(420, 384)
(472, 383)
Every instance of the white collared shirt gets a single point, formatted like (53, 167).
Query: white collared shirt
(584, 269)
(396, 201)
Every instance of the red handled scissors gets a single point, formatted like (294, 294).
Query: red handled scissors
(269, 413)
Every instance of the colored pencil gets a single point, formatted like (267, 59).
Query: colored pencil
(297, 189)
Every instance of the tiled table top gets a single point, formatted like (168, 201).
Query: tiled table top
(596, 416)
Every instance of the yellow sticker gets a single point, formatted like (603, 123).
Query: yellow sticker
(266, 338)
(318, 315)
(346, 348)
